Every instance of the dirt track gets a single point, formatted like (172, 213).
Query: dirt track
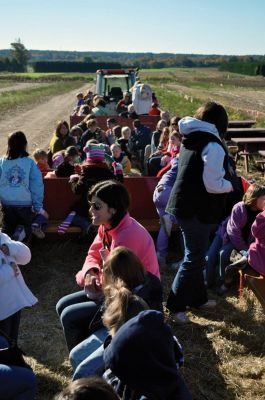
(39, 121)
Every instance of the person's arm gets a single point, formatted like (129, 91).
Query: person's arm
(213, 170)
(236, 223)
(17, 251)
(36, 187)
(92, 261)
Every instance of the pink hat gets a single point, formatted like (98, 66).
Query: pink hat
(95, 152)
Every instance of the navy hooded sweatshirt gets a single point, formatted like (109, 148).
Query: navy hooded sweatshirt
(144, 360)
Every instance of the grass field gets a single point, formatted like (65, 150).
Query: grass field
(10, 100)
(224, 349)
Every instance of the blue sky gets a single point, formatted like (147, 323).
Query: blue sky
(190, 26)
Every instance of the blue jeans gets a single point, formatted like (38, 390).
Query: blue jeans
(92, 365)
(10, 325)
(84, 349)
(224, 258)
(212, 260)
(160, 200)
(76, 312)
(188, 288)
(16, 382)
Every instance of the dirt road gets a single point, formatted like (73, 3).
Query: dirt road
(39, 121)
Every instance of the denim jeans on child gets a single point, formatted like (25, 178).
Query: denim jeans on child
(160, 200)
(188, 288)
(212, 260)
(16, 382)
(76, 312)
(87, 347)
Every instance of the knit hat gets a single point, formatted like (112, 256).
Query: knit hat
(95, 152)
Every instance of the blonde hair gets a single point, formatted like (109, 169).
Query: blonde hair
(38, 154)
(125, 129)
(164, 136)
(122, 264)
(253, 193)
(122, 305)
(115, 145)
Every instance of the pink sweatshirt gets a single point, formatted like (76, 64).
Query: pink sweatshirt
(128, 233)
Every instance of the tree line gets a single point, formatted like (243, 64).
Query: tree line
(18, 58)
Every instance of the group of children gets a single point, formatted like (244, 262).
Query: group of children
(115, 322)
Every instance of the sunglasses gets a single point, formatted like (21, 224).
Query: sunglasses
(94, 205)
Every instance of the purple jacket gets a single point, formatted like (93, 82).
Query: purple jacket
(256, 257)
(235, 224)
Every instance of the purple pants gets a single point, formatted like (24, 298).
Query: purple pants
(160, 200)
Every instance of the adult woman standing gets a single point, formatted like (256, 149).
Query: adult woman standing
(109, 209)
(198, 200)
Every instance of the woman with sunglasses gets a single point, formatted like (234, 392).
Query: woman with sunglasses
(109, 204)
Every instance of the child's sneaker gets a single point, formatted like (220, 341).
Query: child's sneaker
(19, 234)
(37, 231)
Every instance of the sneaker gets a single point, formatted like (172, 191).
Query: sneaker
(37, 231)
(181, 318)
(175, 265)
(232, 269)
(208, 305)
(161, 260)
(167, 223)
(19, 234)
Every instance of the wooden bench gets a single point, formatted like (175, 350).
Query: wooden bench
(247, 147)
(147, 120)
(248, 123)
(245, 133)
(254, 281)
(59, 200)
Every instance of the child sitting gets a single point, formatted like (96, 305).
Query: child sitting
(41, 159)
(234, 234)
(255, 256)
(128, 289)
(76, 132)
(93, 170)
(173, 148)
(123, 141)
(143, 360)
(80, 100)
(109, 134)
(63, 161)
(120, 157)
